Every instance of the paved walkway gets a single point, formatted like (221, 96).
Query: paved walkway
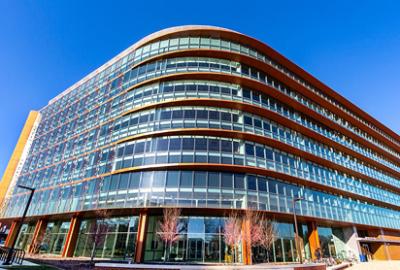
(376, 265)
(24, 263)
(109, 266)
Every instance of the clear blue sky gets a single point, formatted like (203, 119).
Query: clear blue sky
(45, 46)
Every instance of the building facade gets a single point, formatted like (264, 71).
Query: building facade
(210, 121)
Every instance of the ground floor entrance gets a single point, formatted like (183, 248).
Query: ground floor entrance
(198, 239)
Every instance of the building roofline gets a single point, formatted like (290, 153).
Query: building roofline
(256, 44)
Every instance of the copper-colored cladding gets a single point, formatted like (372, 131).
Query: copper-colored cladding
(313, 238)
(141, 235)
(217, 32)
(40, 229)
(72, 237)
(12, 234)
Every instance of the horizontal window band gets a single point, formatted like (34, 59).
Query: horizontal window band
(262, 140)
(253, 170)
(234, 56)
(272, 54)
(186, 211)
(263, 88)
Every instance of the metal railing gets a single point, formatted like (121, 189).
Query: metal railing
(17, 256)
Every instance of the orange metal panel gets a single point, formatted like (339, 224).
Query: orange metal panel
(72, 237)
(313, 239)
(38, 233)
(141, 236)
(12, 233)
(246, 246)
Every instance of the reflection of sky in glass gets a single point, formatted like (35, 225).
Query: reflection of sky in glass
(196, 228)
(284, 230)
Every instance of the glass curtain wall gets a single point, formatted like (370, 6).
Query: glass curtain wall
(25, 235)
(200, 240)
(54, 237)
(111, 237)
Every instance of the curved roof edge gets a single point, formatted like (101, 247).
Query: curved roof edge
(257, 44)
(133, 47)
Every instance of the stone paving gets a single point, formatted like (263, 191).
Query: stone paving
(376, 265)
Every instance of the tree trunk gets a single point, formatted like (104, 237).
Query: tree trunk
(94, 243)
(165, 251)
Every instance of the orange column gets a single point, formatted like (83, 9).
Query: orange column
(141, 236)
(38, 234)
(72, 237)
(12, 234)
(246, 246)
(313, 239)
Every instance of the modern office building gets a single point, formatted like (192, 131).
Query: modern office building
(207, 120)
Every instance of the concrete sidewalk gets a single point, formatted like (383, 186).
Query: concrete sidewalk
(266, 266)
(377, 265)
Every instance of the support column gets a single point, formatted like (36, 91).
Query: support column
(246, 246)
(38, 234)
(313, 239)
(72, 236)
(387, 253)
(12, 234)
(141, 236)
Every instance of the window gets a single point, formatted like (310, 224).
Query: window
(239, 181)
(139, 148)
(162, 145)
(124, 181)
(226, 181)
(188, 144)
(252, 182)
(200, 179)
(248, 120)
(213, 179)
(213, 145)
(226, 146)
(262, 184)
(175, 144)
(201, 144)
(249, 149)
(172, 179)
(135, 180)
(260, 151)
(186, 179)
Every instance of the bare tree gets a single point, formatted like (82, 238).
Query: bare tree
(260, 233)
(232, 233)
(98, 231)
(168, 228)
(268, 234)
(42, 242)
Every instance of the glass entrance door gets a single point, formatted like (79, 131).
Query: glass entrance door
(195, 249)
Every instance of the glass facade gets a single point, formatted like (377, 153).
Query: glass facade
(109, 238)
(25, 236)
(203, 133)
(54, 237)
